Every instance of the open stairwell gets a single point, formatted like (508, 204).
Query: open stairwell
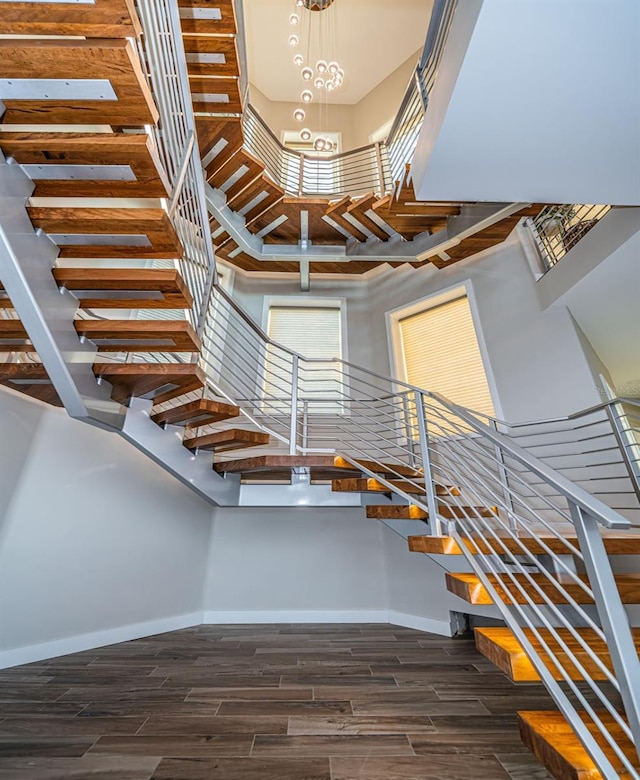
(110, 307)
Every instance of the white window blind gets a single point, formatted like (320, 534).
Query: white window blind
(313, 332)
(441, 353)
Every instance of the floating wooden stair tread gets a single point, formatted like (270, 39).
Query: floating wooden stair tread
(553, 742)
(469, 588)
(615, 544)
(368, 485)
(226, 441)
(128, 232)
(112, 60)
(160, 381)
(222, 23)
(196, 413)
(380, 468)
(99, 19)
(31, 379)
(502, 648)
(400, 512)
(135, 288)
(140, 335)
(82, 164)
(396, 512)
(14, 337)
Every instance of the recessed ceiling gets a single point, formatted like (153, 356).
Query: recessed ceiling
(369, 38)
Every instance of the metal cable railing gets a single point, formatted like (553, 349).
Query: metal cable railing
(355, 172)
(557, 229)
(161, 52)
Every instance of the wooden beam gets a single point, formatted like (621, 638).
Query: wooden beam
(139, 335)
(100, 19)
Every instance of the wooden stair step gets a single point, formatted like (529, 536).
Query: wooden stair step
(131, 288)
(336, 212)
(224, 46)
(279, 467)
(554, 743)
(196, 413)
(359, 208)
(113, 59)
(226, 441)
(140, 335)
(14, 337)
(100, 19)
(151, 224)
(31, 379)
(226, 90)
(468, 587)
(380, 468)
(396, 512)
(502, 648)
(615, 544)
(159, 381)
(369, 485)
(50, 151)
(403, 512)
(224, 23)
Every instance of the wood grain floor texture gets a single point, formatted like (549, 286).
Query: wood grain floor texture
(276, 702)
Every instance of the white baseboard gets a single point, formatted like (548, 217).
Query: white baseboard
(441, 627)
(110, 636)
(297, 616)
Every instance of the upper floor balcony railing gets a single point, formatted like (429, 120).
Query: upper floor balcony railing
(373, 168)
(557, 229)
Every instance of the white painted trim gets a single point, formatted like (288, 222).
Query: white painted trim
(110, 636)
(429, 625)
(296, 616)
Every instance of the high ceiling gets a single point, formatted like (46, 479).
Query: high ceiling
(369, 38)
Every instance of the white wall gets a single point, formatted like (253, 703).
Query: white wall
(536, 101)
(606, 306)
(97, 543)
(284, 562)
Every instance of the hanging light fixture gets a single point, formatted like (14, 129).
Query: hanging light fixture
(327, 76)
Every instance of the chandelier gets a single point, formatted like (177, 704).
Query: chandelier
(313, 39)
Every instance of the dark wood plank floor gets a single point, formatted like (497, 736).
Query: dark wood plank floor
(285, 702)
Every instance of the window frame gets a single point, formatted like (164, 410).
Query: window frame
(316, 302)
(432, 301)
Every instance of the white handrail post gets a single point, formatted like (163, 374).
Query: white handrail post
(612, 614)
(293, 426)
(435, 524)
(504, 481)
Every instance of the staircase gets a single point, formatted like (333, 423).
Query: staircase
(110, 307)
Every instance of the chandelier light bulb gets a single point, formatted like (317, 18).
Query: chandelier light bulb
(298, 60)
(294, 20)
(321, 66)
(299, 115)
(307, 73)
(330, 86)
(319, 144)
(318, 83)
(300, 3)
(337, 80)
(305, 134)
(340, 73)
(333, 68)
(293, 40)
(328, 145)
(306, 96)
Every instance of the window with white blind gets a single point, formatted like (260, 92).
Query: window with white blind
(315, 332)
(440, 352)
